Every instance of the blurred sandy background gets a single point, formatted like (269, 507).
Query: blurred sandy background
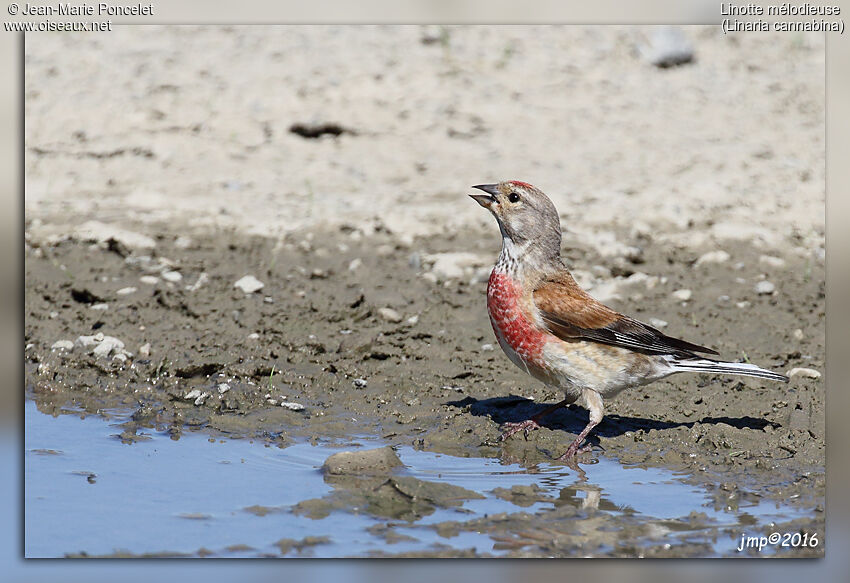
(190, 126)
(591, 123)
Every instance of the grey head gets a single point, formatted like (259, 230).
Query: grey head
(527, 218)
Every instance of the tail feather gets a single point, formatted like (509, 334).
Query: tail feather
(735, 368)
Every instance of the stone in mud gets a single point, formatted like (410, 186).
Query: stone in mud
(718, 256)
(765, 288)
(367, 462)
(682, 294)
(172, 276)
(453, 265)
(807, 373)
(100, 345)
(62, 345)
(772, 261)
(109, 345)
(668, 47)
(389, 315)
(249, 284)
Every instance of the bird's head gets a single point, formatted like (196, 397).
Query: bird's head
(524, 214)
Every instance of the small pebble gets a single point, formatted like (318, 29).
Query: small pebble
(487, 348)
(200, 400)
(100, 306)
(53, 315)
(249, 284)
(359, 383)
(172, 276)
(744, 304)
(657, 323)
(193, 394)
(125, 291)
(682, 294)
(718, 256)
(292, 406)
(100, 345)
(62, 345)
(668, 47)
(223, 388)
(413, 319)
(145, 350)
(798, 334)
(355, 263)
(765, 288)
(253, 336)
(268, 300)
(389, 315)
(808, 373)
(149, 279)
(772, 261)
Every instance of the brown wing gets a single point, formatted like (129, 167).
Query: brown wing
(571, 314)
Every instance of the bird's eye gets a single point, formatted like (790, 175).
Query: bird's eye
(513, 197)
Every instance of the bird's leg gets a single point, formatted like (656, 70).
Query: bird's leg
(593, 401)
(574, 450)
(534, 422)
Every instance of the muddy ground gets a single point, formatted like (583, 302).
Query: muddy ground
(367, 334)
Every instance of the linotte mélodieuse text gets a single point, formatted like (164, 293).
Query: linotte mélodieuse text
(806, 17)
(787, 9)
(99, 9)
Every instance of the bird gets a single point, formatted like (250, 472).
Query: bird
(552, 329)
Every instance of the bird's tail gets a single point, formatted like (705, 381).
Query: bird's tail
(716, 367)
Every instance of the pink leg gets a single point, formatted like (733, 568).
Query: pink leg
(574, 450)
(533, 423)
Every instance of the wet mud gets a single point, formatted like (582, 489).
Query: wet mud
(357, 334)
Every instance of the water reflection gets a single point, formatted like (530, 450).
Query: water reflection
(90, 490)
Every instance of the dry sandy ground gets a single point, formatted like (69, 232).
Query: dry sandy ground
(176, 144)
(190, 125)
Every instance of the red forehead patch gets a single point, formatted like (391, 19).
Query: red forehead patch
(522, 184)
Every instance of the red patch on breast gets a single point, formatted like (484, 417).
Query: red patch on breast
(510, 321)
(520, 183)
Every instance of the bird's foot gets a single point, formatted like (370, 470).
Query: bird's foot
(524, 426)
(574, 450)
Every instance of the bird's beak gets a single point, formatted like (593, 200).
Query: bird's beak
(486, 201)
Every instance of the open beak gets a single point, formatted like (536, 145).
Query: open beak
(486, 201)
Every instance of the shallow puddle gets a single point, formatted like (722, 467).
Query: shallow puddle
(88, 492)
